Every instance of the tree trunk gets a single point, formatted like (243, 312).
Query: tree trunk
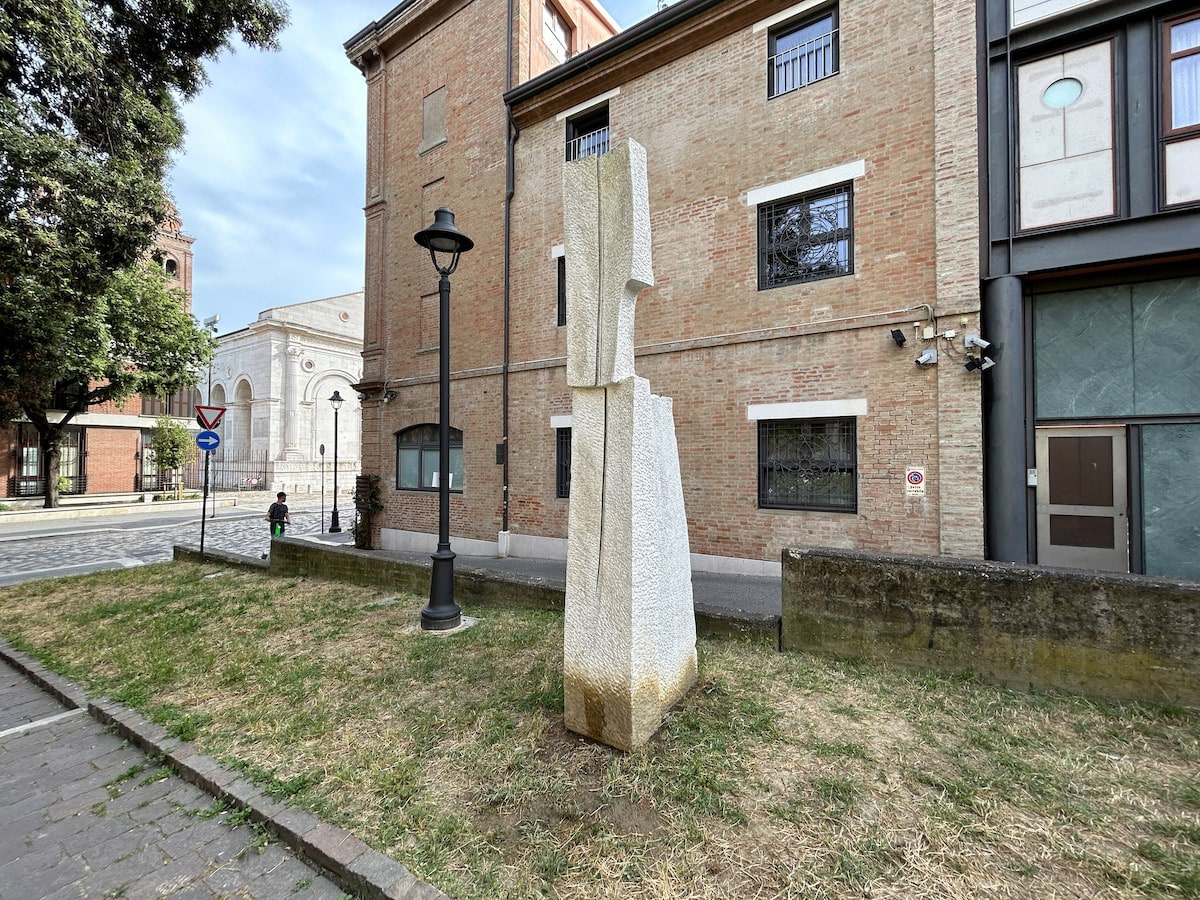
(50, 458)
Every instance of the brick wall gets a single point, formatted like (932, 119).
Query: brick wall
(705, 335)
(110, 459)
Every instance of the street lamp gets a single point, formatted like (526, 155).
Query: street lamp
(336, 402)
(442, 237)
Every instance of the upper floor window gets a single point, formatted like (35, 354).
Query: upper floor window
(587, 134)
(171, 267)
(802, 51)
(808, 464)
(805, 238)
(556, 33)
(417, 451)
(1181, 55)
(180, 405)
(1181, 110)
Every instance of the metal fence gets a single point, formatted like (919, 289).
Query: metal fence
(244, 470)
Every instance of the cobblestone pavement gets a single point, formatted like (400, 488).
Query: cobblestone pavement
(88, 816)
(110, 544)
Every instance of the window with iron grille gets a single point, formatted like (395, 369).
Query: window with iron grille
(417, 459)
(587, 134)
(805, 238)
(808, 464)
(802, 51)
(562, 290)
(562, 462)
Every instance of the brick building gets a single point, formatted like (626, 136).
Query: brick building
(814, 198)
(1092, 291)
(103, 451)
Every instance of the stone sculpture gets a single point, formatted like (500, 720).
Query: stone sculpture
(630, 630)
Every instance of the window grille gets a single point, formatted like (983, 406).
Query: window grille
(587, 134)
(802, 53)
(805, 238)
(808, 464)
(562, 462)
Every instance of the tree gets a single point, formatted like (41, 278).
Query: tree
(89, 115)
(172, 446)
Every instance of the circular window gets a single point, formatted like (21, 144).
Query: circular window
(1062, 93)
(345, 317)
(308, 365)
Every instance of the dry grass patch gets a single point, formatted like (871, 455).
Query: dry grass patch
(780, 775)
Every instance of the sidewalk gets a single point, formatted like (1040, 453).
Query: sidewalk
(88, 814)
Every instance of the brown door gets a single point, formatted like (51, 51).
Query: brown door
(1082, 508)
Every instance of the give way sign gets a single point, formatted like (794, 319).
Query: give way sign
(210, 416)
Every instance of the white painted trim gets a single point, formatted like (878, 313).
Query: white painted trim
(587, 104)
(788, 13)
(811, 182)
(560, 422)
(807, 409)
(558, 250)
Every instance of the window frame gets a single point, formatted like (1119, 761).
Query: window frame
(562, 463)
(584, 125)
(1169, 130)
(567, 38)
(849, 466)
(766, 244)
(792, 26)
(422, 439)
(561, 287)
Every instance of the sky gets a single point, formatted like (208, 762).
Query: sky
(270, 179)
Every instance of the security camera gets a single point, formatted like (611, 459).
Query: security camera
(927, 358)
(981, 363)
(974, 340)
(898, 337)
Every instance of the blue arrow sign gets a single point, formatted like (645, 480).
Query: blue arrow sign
(208, 440)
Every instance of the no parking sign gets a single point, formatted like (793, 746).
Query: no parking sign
(914, 481)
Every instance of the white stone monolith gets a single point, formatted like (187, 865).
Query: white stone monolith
(629, 649)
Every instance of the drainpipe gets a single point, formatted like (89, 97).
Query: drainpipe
(509, 179)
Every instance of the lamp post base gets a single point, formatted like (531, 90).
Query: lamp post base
(442, 613)
(334, 525)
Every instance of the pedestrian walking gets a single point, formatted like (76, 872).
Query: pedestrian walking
(278, 516)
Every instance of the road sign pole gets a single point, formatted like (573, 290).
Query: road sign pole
(204, 503)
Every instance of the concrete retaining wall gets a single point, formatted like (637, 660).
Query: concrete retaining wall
(473, 587)
(1117, 637)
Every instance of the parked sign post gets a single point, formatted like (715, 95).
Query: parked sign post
(209, 417)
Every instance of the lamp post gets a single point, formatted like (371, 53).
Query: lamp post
(336, 402)
(442, 237)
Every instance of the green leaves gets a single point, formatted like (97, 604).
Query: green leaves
(89, 114)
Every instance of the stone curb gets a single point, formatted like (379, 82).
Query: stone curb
(346, 860)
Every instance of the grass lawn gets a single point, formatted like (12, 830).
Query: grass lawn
(780, 775)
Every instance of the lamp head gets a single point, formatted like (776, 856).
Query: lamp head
(336, 400)
(444, 237)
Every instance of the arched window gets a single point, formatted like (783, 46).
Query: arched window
(172, 267)
(417, 459)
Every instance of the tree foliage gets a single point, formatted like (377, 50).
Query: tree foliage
(90, 94)
(172, 445)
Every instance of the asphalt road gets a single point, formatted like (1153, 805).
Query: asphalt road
(78, 546)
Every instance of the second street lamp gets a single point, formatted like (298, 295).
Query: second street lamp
(336, 402)
(445, 244)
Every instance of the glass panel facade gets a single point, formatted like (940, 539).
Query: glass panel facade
(1123, 350)
(1171, 500)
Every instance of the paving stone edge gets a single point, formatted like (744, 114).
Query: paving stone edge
(346, 860)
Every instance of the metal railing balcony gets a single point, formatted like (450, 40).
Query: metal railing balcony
(803, 64)
(593, 144)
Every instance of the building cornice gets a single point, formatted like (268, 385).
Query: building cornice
(406, 24)
(666, 36)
